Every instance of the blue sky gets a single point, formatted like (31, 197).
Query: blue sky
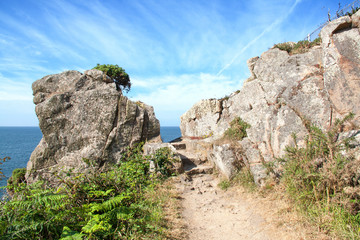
(176, 52)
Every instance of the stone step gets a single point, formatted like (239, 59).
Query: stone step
(179, 146)
(202, 169)
(196, 158)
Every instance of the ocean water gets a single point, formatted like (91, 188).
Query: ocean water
(19, 142)
(169, 133)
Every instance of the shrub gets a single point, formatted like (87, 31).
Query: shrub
(17, 177)
(324, 181)
(237, 130)
(163, 160)
(101, 204)
(117, 74)
(299, 47)
(353, 11)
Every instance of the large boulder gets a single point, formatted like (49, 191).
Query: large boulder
(84, 116)
(282, 92)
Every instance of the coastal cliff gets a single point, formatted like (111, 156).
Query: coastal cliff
(320, 85)
(83, 116)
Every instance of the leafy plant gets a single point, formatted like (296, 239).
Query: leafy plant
(98, 204)
(117, 74)
(237, 130)
(163, 160)
(323, 180)
(17, 177)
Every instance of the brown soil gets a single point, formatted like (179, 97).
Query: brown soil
(235, 213)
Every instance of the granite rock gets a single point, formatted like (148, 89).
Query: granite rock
(84, 116)
(283, 90)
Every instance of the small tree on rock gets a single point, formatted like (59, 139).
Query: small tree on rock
(117, 74)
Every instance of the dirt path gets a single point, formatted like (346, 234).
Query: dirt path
(212, 213)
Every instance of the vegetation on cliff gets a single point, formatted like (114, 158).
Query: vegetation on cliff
(299, 47)
(322, 179)
(117, 74)
(110, 204)
(237, 130)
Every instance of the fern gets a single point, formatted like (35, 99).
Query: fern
(97, 205)
(108, 205)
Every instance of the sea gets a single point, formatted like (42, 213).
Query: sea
(19, 142)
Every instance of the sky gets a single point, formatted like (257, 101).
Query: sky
(176, 52)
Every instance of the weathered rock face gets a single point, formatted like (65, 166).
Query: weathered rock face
(341, 61)
(320, 85)
(224, 158)
(84, 116)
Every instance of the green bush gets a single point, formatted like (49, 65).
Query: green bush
(299, 47)
(117, 74)
(107, 204)
(237, 130)
(17, 177)
(324, 181)
(163, 160)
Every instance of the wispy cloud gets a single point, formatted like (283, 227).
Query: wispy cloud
(176, 94)
(11, 90)
(174, 51)
(253, 41)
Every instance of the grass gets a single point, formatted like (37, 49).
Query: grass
(242, 178)
(323, 182)
(224, 184)
(321, 179)
(299, 47)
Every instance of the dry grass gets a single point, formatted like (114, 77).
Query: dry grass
(172, 210)
(285, 222)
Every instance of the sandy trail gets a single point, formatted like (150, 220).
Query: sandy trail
(212, 213)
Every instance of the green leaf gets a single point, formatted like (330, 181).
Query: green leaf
(68, 234)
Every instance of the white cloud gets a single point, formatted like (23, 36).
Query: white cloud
(12, 90)
(176, 52)
(176, 94)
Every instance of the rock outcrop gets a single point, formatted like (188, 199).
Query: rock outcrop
(151, 148)
(84, 116)
(321, 85)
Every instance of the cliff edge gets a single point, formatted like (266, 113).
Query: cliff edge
(284, 89)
